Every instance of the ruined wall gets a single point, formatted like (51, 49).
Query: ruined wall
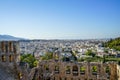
(10, 65)
(118, 72)
(9, 58)
(9, 53)
(52, 69)
(57, 70)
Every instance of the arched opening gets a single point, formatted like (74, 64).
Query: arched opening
(10, 58)
(56, 69)
(67, 69)
(10, 46)
(94, 70)
(2, 46)
(82, 70)
(3, 58)
(14, 49)
(75, 70)
(6, 48)
(47, 68)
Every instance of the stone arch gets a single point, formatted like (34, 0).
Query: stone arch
(82, 70)
(6, 47)
(75, 70)
(94, 70)
(10, 46)
(46, 67)
(14, 48)
(68, 70)
(10, 58)
(2, 46)
(56, 69)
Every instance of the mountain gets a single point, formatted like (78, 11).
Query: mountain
(9, 37)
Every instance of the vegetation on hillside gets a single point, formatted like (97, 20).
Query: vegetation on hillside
(113, 44)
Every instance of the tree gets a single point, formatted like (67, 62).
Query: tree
(105, 50)
(47, 56)
(90, 53)
(94, 68)
(104, 60)
(30, 59)
(113, 44)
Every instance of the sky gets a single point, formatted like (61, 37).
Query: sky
(60, 19)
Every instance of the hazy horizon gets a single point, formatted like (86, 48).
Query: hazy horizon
(60, 19)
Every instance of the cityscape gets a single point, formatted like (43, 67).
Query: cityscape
(60, 59)
(60, 40)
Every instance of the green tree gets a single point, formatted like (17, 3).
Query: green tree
(94, 68)
(47, 56)
(30, 59)
(113, 44)
(90, 53)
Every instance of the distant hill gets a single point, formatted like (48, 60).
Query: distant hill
(9, 37)
(113, 44)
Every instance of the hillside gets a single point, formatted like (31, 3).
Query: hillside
(8, 37)
(113, 44)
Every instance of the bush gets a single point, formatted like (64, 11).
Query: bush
(30, 59)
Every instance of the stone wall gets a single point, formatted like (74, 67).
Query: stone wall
(57, 70)
(9, 59)
(118, 72)
(52, 69)
(9, 53)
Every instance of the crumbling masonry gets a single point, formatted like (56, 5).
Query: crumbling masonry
(57, 70)
(53, 69)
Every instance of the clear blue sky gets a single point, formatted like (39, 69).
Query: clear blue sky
(60, 19)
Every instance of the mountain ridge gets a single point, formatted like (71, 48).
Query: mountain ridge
(9, 37)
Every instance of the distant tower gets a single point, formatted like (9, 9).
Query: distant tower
(9, 53)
